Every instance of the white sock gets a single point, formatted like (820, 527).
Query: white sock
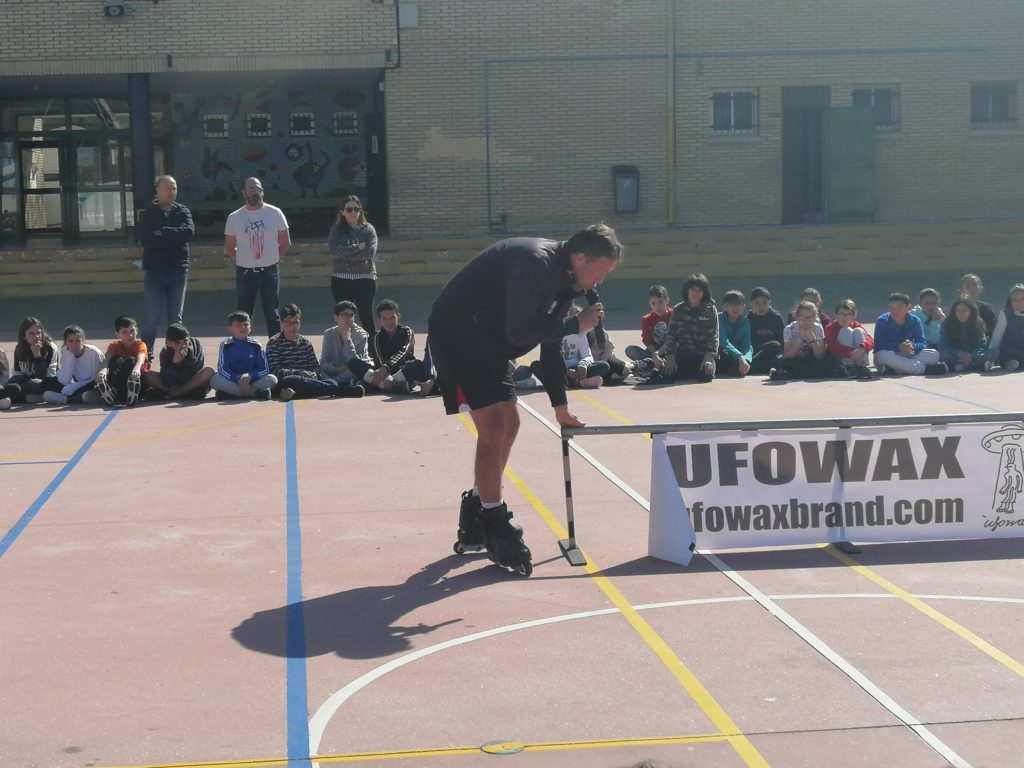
(492, 504)
(475, 491)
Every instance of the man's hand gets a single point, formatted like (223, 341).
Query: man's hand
(907, 348)
(580, 374)
(590, 316)
(566, 419)
(37, 348)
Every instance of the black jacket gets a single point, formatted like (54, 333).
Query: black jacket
(507, 300)
(164, 236)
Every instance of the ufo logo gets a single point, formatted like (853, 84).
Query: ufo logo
(1008, 443)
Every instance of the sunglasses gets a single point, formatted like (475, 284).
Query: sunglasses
(353, 210)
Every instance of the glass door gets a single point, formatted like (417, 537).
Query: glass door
(41, 187)
(10, 200)
(99, 185)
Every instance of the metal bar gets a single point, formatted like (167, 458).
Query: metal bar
(771, 424)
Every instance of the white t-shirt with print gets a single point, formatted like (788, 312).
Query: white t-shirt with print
(255, 234)
(792, 332)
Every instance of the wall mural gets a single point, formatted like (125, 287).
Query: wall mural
(306, 146)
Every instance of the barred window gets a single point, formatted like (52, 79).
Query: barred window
(993, 105)
(884, 101)
(734, 113)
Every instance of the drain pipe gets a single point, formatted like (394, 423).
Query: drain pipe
(670, 117)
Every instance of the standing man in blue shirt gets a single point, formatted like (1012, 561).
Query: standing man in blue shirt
(164, 230)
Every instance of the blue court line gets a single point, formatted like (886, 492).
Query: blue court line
(33, 510)
(296, 693)
(950, 397)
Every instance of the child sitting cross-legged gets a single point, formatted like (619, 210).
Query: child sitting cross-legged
(242, 368)
(79, 364)
(804, 351)
(848, 341)
(900, 346)
(127, 358)
(184, 374)
(964, 343)
(1007, 344)
(735, 350)
(692, 345)
(581, 369)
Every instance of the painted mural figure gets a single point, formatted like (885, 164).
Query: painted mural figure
(256, 236)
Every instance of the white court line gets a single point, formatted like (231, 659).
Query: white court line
(803, 632)
(318, 723)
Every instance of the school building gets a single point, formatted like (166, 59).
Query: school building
(456, 118)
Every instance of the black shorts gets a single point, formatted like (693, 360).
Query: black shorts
(468, 374)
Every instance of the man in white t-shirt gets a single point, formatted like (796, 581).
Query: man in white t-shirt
(256, 237)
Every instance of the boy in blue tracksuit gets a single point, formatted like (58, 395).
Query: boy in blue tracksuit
(242, 367)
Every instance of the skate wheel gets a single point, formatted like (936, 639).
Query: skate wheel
(524, 569)
(458, 548)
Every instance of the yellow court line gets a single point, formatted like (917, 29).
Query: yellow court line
(602, 407)
(958, 629)
(263, 412)
(405, 754)
(701, 696)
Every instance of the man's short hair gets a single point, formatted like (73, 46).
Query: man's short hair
(928, 292)
(386, 305)
(177, 332)
(598, 241)
(341, 306)
(238, 316)
(811, 292)
(733, 297)
(848, 304)
(900, 297)
(760, 293)
(657, 292)
(124, 321)
(290, 310)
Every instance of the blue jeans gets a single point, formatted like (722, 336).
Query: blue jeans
(267, 282)
(165, 297)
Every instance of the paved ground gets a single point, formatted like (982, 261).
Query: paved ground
(237, 584)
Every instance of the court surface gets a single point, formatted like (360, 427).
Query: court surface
(251, 584)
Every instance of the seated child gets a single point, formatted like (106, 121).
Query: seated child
(184, 374)
(900, 345)
(293, 361)
(242, 367)
(765, 331)
(848, 341)
(971, 285)
(931, 315)
(79, 364)
(735, 350)
(344, 357)
(8, 391)
(394, 349)
(1007, 345)
(964, 342)
(653, 326)
(36, 359)
(127, 358)
(581, 370)
(804, 349)
(692, 345)
(813, 295)
(603, 350)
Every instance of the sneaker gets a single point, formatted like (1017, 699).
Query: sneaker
(34, 399)
(1011, 365)
(990, 364)
(862, 372)
(939, 369)
(152, 395)
(426, 387)
(287, 393)
(5, 404)
(400, 388)
(56, 398)
(779, 374)
(592, 382)
(351, 390)
(134, 390)
(959, 368)
(92, 397)
(522, 373)
(106, 392)
(263, 395)
(527, 383)
(221, 395)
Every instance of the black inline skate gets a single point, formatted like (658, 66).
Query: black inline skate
(504, 540)
(471, 535)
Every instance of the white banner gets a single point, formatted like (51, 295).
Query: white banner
(782, 487)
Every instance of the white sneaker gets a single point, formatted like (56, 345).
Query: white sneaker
(55, 397)
(1011, 365)
(528, 383)
(287, 393)
(5, 404)
(592, 382)
(990, 364)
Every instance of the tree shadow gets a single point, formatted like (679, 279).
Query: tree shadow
(363, 623)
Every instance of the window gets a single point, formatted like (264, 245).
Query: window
(884, 101)
(215, 126)
(258, 125)
(993, 105)
(302, 124)
(734, 113)
(345, 123)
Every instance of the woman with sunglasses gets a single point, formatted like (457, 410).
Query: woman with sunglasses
(352, 244)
